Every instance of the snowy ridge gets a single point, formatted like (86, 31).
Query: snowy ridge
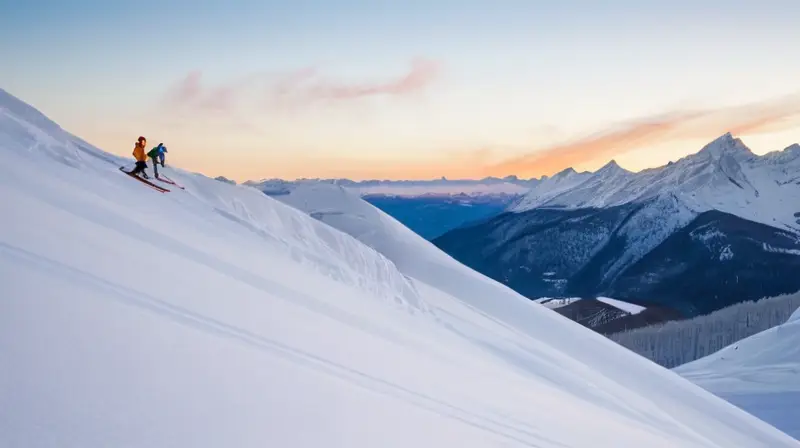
(331, 253)
(653, 223)
(594, 190)
(725, 175)
(759, 374)
(346, 211)
(549, 188)
(218, 316)
(765, 362)
(795, 317)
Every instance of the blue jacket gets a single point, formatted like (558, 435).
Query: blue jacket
(158, 151)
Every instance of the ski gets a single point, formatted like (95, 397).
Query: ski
(167, 180)
(144, 181)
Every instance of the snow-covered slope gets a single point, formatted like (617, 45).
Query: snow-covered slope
(217, 316)
(761, 374)
(342, 209)
(724, 175)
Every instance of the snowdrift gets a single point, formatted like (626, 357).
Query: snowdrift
(761, 374)
(217, 316)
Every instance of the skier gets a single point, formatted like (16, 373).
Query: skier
(157, 155)
(141, 158)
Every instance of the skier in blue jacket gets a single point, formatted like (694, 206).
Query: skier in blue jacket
(157, 156)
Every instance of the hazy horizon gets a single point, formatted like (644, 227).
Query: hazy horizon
(521, 178)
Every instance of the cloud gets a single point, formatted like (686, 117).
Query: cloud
(421, 74)
(754, 118)
(190, 93)
(301, 87)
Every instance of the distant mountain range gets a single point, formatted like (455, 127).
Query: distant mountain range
(715, 228)
(725, 175)
(429, 208)
(507, 186)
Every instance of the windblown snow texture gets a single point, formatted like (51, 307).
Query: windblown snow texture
(217, 316)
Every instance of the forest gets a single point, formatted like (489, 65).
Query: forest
(673, 343)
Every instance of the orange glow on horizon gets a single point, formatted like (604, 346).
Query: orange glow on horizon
(630, 141)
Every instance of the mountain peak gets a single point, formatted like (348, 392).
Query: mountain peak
(612, 168)
(726, 144)
(564, 173)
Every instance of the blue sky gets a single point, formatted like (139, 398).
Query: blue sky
(507, 79)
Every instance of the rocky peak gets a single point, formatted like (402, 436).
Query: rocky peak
(612, 168)
(726, 145)
(564, 173)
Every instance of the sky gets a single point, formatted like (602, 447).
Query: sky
(417, 89)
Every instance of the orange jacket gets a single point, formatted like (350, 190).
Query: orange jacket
(138, 152)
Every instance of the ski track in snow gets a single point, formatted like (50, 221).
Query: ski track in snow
(217, 316)
(305, 359)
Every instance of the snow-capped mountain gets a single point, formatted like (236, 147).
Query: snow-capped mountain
(760, 374)
(711, 229)
(215, 315)
(549, 188)
(586, 190)
(724, 175)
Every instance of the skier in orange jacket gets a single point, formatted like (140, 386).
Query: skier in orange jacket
(141, 158)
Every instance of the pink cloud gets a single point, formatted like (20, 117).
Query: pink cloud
(298, 88)
(187, 89)
(754, 118)
(191, 93)
(421, 74)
